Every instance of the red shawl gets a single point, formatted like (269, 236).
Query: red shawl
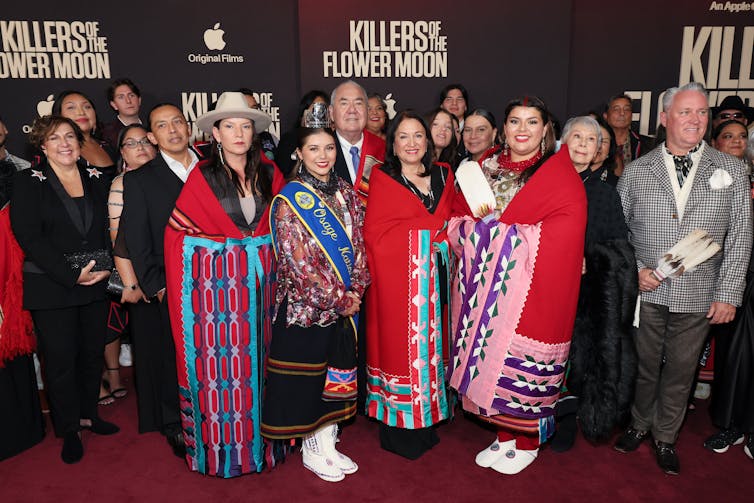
(208, 220)
(16, 328)
(372, 156)
(394, 216)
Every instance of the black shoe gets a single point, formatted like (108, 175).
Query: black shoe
(722, 440)
(667, 459)
(565, 435)
(749, 447)
(73, 449)
(102, 427)
(630, 440)
(175, 441)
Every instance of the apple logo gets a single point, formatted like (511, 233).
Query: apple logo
(390, 102)
(213, 38)
(45, 107)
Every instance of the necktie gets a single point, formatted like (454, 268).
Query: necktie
(355, 159)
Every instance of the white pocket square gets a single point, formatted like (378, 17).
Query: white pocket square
(720, 179)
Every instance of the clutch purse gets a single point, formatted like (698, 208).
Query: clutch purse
(102, 257)
(115, 284)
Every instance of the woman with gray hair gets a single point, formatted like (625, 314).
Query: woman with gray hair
(602, 361)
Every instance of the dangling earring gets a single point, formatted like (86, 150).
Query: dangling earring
(506, 152)
(220, 153)
(542, 146)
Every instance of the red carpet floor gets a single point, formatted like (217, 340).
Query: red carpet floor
(129, 467)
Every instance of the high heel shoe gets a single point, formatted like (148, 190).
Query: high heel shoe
(117, 392)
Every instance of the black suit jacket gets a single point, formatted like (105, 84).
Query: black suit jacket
(47, 224)
(149, 195)
(341, 168)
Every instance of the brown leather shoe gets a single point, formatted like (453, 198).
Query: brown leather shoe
(667, 459)
(630, 440)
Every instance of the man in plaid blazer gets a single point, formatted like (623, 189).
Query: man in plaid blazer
(682, 185)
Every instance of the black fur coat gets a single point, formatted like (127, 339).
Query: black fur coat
(603, 358)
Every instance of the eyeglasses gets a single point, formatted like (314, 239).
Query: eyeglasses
(728, 115)
(132, 144)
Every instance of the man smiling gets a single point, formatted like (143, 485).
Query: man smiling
(680, 186)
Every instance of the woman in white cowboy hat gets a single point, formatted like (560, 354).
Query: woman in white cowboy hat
(219, 265)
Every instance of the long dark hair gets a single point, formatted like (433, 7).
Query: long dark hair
(306, 102)
(301, 135)
(392, 164)
(537, 103)
(58, 105)
(448, 154)
(258, 170)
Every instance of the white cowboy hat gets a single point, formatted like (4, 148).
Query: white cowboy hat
(232, 105)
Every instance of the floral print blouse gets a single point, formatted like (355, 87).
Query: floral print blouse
(315, 294)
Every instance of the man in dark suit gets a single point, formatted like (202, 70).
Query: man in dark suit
(149, 195)
(680, 186)
(358, 150)
(357, 153)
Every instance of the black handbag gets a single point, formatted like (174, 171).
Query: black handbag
(102, 257)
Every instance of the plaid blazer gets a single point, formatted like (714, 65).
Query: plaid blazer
(650, 209)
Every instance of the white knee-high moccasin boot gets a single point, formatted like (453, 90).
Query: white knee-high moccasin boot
(317, 460)
(330, 438)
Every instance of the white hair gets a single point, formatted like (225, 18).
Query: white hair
(583, 120)
(349, 81)
(669, 96)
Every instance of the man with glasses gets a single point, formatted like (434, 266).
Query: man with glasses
(732, 108)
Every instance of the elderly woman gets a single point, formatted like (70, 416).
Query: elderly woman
(220, 229)
(514, 300)
(602, 362)
(135, 150)
(442, 125)
(59, 216)
(479, 134)
(322, 275)
(410, 201)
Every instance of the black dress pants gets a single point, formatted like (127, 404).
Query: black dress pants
(155, 367)
(72, 343)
